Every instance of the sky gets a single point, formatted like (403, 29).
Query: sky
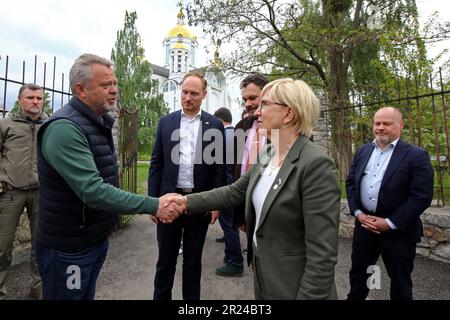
(66, 29)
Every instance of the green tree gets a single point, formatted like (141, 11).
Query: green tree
(137, 89)
(330, 44)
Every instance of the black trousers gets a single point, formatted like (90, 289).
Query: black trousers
(398, 257)
(192, 229)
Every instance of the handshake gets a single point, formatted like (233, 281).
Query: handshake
(171, 206)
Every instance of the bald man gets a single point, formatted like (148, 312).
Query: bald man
(389, 185)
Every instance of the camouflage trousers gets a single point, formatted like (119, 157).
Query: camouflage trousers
(12, 205)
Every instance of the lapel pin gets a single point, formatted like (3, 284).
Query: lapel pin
(275, 187)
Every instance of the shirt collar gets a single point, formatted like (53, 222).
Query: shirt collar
(393, 143)
(184, 115)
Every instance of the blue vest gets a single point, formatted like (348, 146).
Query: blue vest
(65, 222)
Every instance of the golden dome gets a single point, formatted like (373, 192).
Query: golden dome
(180, 29)
(179, 45)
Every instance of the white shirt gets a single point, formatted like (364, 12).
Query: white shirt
(189, 129)
(373, 175)
(261, 191)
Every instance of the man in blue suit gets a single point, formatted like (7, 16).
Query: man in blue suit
(234, 261)
(188, 157)
(389, 185)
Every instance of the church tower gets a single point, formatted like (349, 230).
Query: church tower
(180, 56)
(180, 48)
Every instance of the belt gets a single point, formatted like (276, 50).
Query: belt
(184, 190)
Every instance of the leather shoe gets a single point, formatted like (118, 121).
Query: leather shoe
(221, 239)
(229, 270)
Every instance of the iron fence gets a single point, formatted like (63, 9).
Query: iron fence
(57, 96)
(424, 105)
(128, 154)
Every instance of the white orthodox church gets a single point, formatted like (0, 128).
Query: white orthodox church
(180, 49)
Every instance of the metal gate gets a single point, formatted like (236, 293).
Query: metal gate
(127, 154)
(424, 105)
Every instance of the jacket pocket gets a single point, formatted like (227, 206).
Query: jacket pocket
(294, 253)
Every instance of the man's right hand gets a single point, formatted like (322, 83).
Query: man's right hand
(168, 210)
(179, 200)
(367, 222)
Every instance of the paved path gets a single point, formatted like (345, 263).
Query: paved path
(130, 268)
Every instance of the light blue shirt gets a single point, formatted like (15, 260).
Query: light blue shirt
(373, 175)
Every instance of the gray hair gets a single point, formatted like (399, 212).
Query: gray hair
(29, 86)
(81, 69)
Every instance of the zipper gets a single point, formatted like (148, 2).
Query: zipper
(83, 217)
(32, 153)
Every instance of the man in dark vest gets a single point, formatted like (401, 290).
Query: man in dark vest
(77, 169)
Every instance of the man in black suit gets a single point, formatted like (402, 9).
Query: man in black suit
(233, 259)
(184, 161)
(251, 87)
(389, 185)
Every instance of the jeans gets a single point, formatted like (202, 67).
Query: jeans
(70, 276)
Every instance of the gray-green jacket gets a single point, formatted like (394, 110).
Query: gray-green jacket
(18, 164)
(297, 233)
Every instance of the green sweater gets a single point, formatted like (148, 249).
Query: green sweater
(67, 150)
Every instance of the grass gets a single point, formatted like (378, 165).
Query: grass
(343, 191)
(142, 177)
(144, 156)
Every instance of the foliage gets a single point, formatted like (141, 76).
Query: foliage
(137, 88)
(339, 47)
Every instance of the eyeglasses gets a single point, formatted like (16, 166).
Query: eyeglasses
(264, 104)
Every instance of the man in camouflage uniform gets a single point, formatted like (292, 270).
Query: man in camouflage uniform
(18, 179)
